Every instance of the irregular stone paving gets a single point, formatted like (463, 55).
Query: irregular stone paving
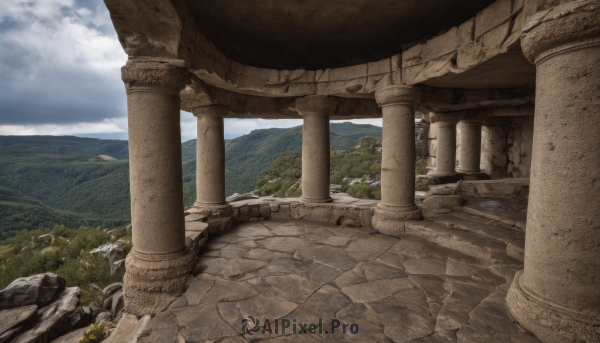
(408, 290)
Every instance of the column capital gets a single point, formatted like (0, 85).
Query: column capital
(450, 117)
(570, 26)
(397, 94)
(148, 75)
(316, 104)
(212, 110)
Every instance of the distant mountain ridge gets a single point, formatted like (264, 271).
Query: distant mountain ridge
(65, 178)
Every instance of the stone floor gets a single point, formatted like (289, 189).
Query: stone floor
(409, 290)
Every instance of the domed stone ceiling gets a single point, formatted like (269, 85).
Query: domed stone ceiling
(318, 34)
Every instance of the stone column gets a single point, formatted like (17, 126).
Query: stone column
(557, 295)
(210, 158)
(470, 145)
(159, 263)
(315, 147)
(445, 170)
(398, 159)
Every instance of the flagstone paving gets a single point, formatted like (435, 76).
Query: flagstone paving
(409, 290)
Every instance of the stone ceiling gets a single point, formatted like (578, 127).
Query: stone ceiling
(317, 34)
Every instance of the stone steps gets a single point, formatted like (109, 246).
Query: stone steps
(508, 212)
(478, 237)
(509, 235)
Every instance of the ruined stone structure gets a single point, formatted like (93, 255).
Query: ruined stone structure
(511, 87)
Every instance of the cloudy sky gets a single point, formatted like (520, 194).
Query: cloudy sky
(60, 66)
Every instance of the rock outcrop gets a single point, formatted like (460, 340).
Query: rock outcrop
(39, 308)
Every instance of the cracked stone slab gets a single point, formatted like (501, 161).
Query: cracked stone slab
(283, 266)
(375, 270)
(264, 255)
(218, 266)
(331, 256)
(288, 230)
(265, 307)
(375, 290)
(321, 273)
(292, 288)
(248, 265)
(251, 230)
(225, 290)
(405, 315)
(392, 259)
(425, 265)
(201, 323)
(349, 278)
(196, 290)
(370, 248)
(283, 244)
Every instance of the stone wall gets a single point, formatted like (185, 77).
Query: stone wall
(505, 146)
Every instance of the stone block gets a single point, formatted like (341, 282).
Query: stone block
(441, 45)
(466, 32)
(436, 202)
(379, 67)
(412, 56)
(265, 211)
(494, 38)
(196, 226)
(492, 16)
(348, 73)
(124, 329)
(274, 207)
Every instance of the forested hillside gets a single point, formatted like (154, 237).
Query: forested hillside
(249, 156)
(49, 180)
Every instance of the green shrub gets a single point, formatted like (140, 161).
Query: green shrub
(94, 334)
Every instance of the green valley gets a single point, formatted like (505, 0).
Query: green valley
(53, 180)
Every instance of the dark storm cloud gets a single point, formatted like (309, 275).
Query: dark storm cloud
(59, 63)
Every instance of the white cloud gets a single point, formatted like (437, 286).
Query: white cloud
(113, 125)
(60, 63)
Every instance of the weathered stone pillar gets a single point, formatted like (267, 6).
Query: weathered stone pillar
(398, 159)
(446, 144)
(315, 146)
(470, 146)
(159, 263)
(210, 157)
(557, 296)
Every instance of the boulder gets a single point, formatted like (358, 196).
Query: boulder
(110, 251)
(14, 317)
(56, 319)
(112, 288)
(38, 289)
(104, 317)
(117, 303)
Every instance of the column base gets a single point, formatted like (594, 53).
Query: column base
(549, 322)
(152, 282)
(315, 200)
(389, 220)
(473, 175)
(441, 178)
